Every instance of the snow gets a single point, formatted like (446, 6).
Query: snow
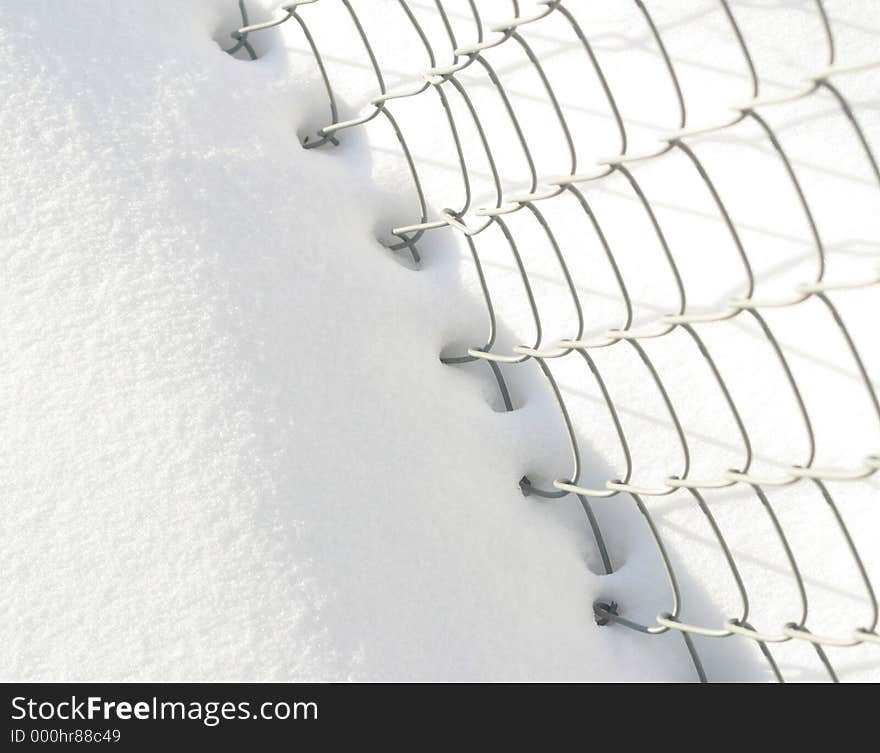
(229, 448)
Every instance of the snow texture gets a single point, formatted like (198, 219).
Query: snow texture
(229, 448)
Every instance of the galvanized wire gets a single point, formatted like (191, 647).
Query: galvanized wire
(516, 31)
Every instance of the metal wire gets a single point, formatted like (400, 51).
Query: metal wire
(516, 31)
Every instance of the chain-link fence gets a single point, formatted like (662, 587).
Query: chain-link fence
(470, 223)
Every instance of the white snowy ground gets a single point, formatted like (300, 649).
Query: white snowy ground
(229, 449)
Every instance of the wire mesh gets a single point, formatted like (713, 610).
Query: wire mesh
(470, 222)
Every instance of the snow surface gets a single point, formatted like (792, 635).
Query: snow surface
(229, 449)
